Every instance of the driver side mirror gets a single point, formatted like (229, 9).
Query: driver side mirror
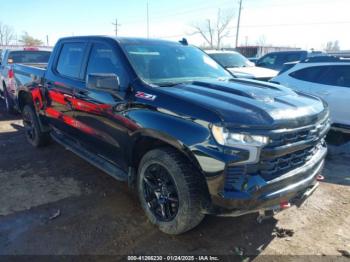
(103, 82)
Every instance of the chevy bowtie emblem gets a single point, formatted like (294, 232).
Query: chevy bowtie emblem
(143, 95)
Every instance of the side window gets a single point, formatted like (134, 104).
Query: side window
(338, 75)
(310, 74)
(104, 60)
(268, 60)
(292, 57)
(71, 59)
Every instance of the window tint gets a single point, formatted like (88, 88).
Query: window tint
(311, 74)
(29, 56)
(104, 60)
(338, 75)
(292, 57)
(268, 60)
(70, 59)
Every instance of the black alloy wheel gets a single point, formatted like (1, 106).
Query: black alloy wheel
(160, 193)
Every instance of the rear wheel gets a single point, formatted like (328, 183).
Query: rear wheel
(32, 128)
(169, 191)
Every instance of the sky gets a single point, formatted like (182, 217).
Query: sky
(296, 23)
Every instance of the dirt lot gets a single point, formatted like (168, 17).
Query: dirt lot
(97, 215)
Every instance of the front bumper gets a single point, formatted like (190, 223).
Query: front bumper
(257, 194)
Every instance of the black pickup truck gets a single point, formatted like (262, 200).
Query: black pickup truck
(166, 118)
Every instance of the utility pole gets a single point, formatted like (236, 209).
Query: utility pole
(147, 20)
(116, 26)
(47, 40)
(238, 21)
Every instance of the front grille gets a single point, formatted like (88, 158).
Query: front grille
(310, 138)
(312, 133)
(268, 169)
(273, 168)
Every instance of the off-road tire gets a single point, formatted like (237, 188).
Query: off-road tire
(33, 131)
(188, 185)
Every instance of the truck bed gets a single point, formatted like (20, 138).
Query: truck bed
(26, 74)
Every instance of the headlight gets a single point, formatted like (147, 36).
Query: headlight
(226, 138)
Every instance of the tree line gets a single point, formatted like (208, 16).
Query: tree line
(8, 37)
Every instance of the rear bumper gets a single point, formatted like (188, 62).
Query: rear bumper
(292, 187)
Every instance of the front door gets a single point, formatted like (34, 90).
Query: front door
(104, 129)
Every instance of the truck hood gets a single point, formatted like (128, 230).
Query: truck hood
(249, 103)
(253, 72)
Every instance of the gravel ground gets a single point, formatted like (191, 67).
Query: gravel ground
(52, 202)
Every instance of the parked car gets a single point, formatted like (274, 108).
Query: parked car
(326, 78)
(172, 122)
(28, 56)
(240, 66)
(253, 59)
(275, 60)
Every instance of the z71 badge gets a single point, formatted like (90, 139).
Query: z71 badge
(143, 95)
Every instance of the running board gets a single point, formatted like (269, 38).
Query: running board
(93, 159)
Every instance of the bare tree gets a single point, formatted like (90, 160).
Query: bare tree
(332, 46)
(214, 32)
(261, 41)
(221, 27)
(26, 39)
(206, 30)
(6, 34)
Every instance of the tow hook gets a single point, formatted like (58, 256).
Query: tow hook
(264, 215)
(267, 214)
(319, 177)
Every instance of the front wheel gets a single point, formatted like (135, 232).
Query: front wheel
(32, 128)
(170, 191)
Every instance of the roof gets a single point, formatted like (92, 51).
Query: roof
(220, 52)
(325, 59)
(122, 40)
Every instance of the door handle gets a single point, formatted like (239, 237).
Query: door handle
(69, 104)
(67, 99)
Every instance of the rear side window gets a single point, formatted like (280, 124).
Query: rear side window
(310, 74)
(338, 75)
(71, 59)
(29, 57)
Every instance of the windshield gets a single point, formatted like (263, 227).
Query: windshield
(167, 63)
(29, 57)
(231, 60)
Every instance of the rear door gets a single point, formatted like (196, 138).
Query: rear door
(104, 129)
(64, 76)
(335, 89)
(329, 82)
